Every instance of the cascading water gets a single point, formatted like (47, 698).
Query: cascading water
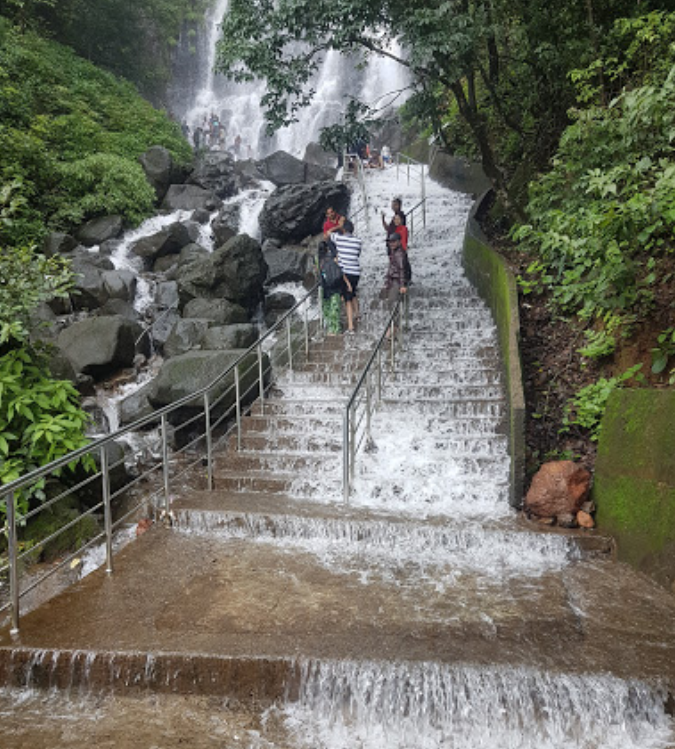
(238, 105)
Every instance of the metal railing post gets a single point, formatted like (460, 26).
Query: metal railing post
(306, 323)
(237, 395)
(107, 509)
(398, 160)
(12, 544)
(322, 323)
(392, 342)
(408, 171)
(368, 405)
(424, 201)
(165, 460)
(345, 456)
(209, 443)
(289, 343)
(379, 373)
(352, 446)
(261, 378)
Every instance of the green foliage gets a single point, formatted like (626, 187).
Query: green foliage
(39, 421)
(70, 137)
(606, 210)
(663, 352)
(588, 405)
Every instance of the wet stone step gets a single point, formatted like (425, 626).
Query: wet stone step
(442, 391)
(294, 441)
(473, 377)
(279, 461)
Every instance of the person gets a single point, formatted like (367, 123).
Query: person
(331, 283)
(348, 255)
(401, 230)
(332, 221)
(237, 146)
(386, 155)
(396, 206)
(197, 137)
(398, 272)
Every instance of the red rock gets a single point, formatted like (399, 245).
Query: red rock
(558, 488)
(585, 520)
(143, 526)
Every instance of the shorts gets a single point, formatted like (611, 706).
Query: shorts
(349, 295)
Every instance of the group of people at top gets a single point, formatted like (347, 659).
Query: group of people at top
(370, 158)
(340, 267)
(211, 134)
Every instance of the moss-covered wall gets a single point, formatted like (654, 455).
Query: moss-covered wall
(495, 283)
(634, 487)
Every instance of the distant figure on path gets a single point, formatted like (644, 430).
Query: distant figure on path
(331, 277)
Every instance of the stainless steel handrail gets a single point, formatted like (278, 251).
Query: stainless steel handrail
(423, 189)
(350, 439)
(255, 372)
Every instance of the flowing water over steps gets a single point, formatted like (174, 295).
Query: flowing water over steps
(423, 614)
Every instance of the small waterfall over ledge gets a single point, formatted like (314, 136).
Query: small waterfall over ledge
(197, 92)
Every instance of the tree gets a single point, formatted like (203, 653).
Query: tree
(504, 63)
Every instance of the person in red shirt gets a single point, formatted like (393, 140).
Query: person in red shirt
(401, 230)
(332, 221)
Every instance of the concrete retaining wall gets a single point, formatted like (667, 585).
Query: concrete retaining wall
(634, 487)
(495, 283)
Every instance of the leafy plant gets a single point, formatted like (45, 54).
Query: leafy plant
(587, 407)
(662, 353)
(40, 420)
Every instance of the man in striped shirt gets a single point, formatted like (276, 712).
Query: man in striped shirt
(349, 252)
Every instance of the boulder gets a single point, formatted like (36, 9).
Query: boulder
(286, 263)
(224, 225)
(182, 375)
(165, 264)
(282, 168)
(168, 241)
(119, 307)
(295, 212)
(157, 164)
(459, 173)
(230, 337)
(558, 489)
(215, 171)
(316, 154)
(119, 284)
(185, 336)
(58, 243)
(162, 327)
(90, 290)
(166, 295)
(99, 230)
(200, 216)
(218, 311)
(279, 301)
(98, 346)
(190, 198)
(236, 272)
(135, 406)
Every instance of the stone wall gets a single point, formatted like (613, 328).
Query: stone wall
(495, 283)
(634, 486)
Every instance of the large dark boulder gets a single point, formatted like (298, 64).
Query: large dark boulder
(58, 243)
(183, 375)
(96, 281)
(460, 174)
(230, 337)
(99, 230)
(135, 406)
(157, 164)
(186, 335)
(295, 212)
(167, 241)
(190, 198)
(236, 272)
(216, 311)
(225, 225)
(215, 171)
(98, 346)
(282, 168)
(286, 263)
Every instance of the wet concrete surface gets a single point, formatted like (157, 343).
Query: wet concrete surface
(184, 595)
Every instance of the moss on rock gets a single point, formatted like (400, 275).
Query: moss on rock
(635, 479)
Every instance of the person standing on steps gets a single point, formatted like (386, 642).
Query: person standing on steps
(349, 254)
(402, 230)
(396, 206)
(332, 222)
(332, 282)
(398, 272)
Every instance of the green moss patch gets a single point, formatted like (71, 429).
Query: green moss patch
(635, 479)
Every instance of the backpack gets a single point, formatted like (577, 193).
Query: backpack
(331, 273)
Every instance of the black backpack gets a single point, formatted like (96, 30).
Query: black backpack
(331, 273)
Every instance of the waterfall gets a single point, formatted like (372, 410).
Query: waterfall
(237, 105)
